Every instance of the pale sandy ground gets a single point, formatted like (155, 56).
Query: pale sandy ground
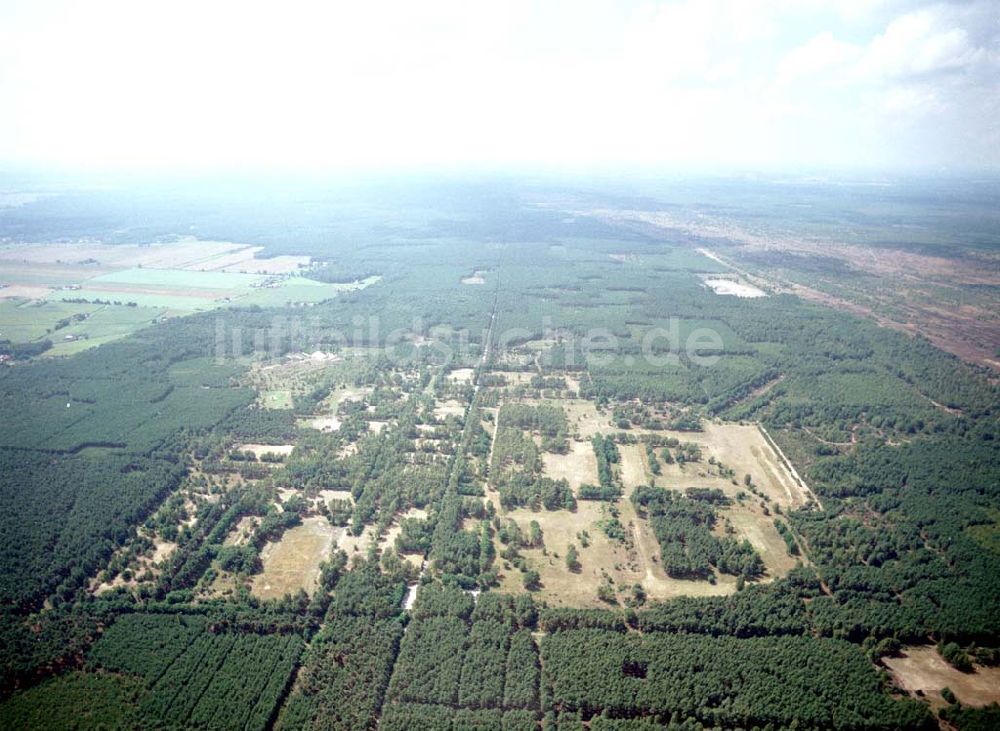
(577, 467)
(461, 375)
(24, 291)
(292, 563)
(737, 289)
(260, 449)
(922, 668)
(186, 253)
(740, 447)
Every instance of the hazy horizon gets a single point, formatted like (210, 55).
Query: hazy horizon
(686, 87)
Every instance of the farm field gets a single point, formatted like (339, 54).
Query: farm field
(26, 320)
(154, 280)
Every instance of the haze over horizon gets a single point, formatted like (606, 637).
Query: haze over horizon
(694, 84)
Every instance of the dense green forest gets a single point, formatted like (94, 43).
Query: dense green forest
(147, 443)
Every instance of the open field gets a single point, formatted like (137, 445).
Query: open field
(636, 559)
(176, 279)
(449, 408)
(108, 323)
(260, 449)
(22, 321)
(477, 277)
(182, 277)
(584, 419)
(633, 562)
(71, 326)
(922, 668)
(185, 253)
(293, 562)
(743, 449)
(634, 471)
(461, 375)
(325, 418)
(734, 288)
(577, 467)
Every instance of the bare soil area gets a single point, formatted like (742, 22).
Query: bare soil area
(292, 563)
(923, 669)
(577, 467)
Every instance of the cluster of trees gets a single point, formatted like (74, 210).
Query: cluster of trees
(721, 681)
(63, 516)
(522, 490)
(345, 674)
(474, 655)
(194, 676)
(549, 421)
(683, 528)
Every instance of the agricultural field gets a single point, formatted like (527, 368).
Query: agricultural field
(107, 292)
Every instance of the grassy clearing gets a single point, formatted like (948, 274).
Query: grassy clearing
(299, 290)
(577, 467)
(743, 449)
(636, 559)
(279, 399)
(293, 562)
(634, 472)
(71, 326)
(987, 535)
(923, 669)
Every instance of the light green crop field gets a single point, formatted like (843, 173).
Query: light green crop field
(173, 302)
(107, 323)
(22, 321)
(179, 279)
(296, 290)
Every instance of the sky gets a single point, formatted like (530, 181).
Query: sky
(575, 85)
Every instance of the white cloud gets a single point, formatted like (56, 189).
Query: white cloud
(389, 83)
(819, 54)
(916, 43)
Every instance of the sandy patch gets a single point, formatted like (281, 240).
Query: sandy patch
(324, 423)
(742, 448)
(292, 563)
(578, 467)
(240, 535)
(633, 466)
(449, 408)
(734, 288)
(585, 419)
(461, 375)
(24, 291)
(478, 277)
(634, 562)
(260, 449)
(922, 668)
